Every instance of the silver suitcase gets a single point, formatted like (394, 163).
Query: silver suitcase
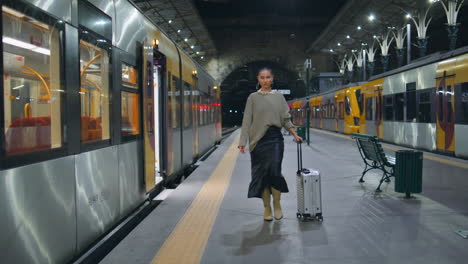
(309, 193)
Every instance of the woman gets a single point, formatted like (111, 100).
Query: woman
(265, 113)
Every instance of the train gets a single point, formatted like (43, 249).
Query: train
(422, 105)
(101, 110)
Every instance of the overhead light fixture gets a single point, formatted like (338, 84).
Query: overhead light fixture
(185, 39)
(371, 17)
(192, 47)
(198, 52)
(25, 45)
(178, 31)
(408, 16)
(348, 36)
(339, 44)
(359, 27)
(331, 50)
(202, 57)
(18, 87)
(170, 21)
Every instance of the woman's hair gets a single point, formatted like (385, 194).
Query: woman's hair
(265, 69)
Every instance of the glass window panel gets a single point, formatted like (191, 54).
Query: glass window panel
(31, 81)
(388, 115)
(187, 105)
(440, 96)
(129, 76)
(449, 104)
(94, 92)
(424, 112)
(399, 106)
(411, 106)
(347, 105)
(130, 113)
(369, 108)
(464, 103)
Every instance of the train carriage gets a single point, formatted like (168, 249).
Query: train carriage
(100, 111)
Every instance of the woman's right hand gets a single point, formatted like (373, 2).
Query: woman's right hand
(241, 149)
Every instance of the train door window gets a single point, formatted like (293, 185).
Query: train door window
(32, 91)
(187, 105)
(411, 102)
(399, 106)
(94, 89)
(449, 104)
(441, 102)
(347, 105)
(130, 101)
(341, 110)
(369, 108)
(174, 102)
(462, 113)
(388, 115)
(424, 107)
(360, 99)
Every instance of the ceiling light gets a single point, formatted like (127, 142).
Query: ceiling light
(371, 17)
(25, 45)
(348, 36)
(178, 31)
(339, 44)
(408, 16)
(331, 50)
(197, 52)
(359, 27)
(202, 57)
(185, 39)
(170, 21)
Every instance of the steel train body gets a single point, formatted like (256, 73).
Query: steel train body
(100, 109)
(423, 105)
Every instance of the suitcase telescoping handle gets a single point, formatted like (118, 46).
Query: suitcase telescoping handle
(299, 156)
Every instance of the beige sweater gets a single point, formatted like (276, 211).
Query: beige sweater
(262, 111)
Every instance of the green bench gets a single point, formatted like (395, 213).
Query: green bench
(374, 157)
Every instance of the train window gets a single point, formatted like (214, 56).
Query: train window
(347, 105)
(187, 105)
(174, 103)
(369, 108)
(399, 106)
(32, 90)
(388, 115)
(411, 102)
(463, 113)
(94, 92)
(449, 104)
(440, 96)
(424, 107)
(340, 110)
(129, 76)
(360, 99)
(130, 114)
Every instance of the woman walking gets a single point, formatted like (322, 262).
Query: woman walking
(265, 113)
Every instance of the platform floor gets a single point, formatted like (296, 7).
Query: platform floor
(208, 218)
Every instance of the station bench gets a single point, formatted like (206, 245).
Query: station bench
(374, 157)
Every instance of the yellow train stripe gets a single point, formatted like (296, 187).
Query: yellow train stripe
(187, 241)
(426, 155)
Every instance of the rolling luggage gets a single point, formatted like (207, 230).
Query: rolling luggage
(309, 193)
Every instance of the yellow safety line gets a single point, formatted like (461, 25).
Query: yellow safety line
(426, 156)
(186, 244)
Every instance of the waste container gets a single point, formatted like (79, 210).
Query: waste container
(408, 172)
(301, 131)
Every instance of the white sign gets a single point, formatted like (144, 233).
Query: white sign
(308, 64)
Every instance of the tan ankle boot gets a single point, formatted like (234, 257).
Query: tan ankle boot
(266, 203)
(276, 203)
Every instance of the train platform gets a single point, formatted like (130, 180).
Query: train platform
(208, 218)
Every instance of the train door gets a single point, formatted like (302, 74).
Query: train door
(154, 112)
(378, 114)
(445, 113)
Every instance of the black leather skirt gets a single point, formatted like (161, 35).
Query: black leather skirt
(266, 159)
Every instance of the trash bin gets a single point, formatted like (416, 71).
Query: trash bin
(301, 131)
(408, 172)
